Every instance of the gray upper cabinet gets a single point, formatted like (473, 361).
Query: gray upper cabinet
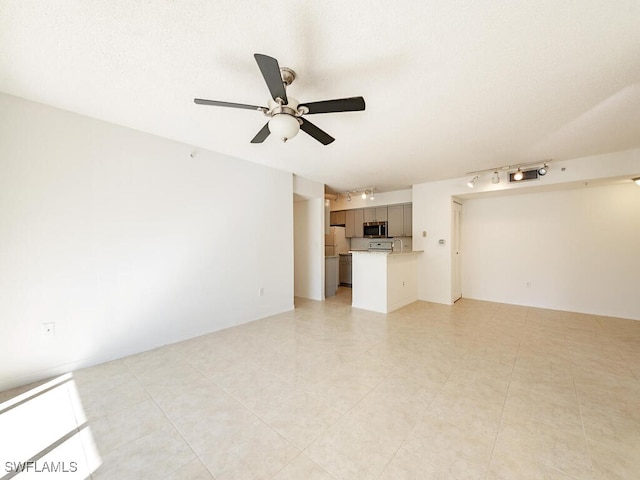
(377, 214)
(408, 220)
(395, 226)
(353, 225)
(399, 221)
(369, 215)
(359, 220)
(338, 218)
(350, 224)
(398, 218)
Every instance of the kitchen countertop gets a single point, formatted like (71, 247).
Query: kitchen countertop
(411, 252)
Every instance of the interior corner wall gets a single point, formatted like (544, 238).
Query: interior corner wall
(309, 248)
(573, 250)
(127, 243)
(432, 215)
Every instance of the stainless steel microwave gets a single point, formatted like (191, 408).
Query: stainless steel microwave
(375, 229)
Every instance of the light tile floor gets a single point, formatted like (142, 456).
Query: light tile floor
(474, 391)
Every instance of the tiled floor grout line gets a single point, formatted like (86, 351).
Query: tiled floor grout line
(151, 396)
(575, 389)
(506, 396)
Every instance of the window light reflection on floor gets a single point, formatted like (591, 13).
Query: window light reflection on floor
(44, 434)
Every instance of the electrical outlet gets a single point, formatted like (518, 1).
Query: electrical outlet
(49, 329)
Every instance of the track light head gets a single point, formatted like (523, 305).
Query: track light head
(518, 175)
(349, 197)
(472, 183)
(542, 171)
(364, 195)
(636, 180)
(496, 177)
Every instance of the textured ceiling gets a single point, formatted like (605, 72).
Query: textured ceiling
(450, 86)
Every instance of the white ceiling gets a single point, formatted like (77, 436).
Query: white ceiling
(450, 86)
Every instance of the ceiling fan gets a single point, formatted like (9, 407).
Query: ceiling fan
(286, 112)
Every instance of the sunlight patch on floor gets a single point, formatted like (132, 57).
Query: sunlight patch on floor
(45, 434)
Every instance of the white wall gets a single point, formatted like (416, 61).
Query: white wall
(309, 252)
(309, 228)
(576, 250)
(432, 210)
(432, 214)
(126, 242)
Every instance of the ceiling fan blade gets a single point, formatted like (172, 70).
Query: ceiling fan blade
(216, 103)
(262, 134)
(351, 104)
(271, 72)
(320, 135)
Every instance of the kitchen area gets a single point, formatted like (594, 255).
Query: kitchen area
(380, 231)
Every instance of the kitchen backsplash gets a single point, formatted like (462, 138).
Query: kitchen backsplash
(363, 243)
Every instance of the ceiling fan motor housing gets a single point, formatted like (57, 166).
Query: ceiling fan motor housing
(291, 107)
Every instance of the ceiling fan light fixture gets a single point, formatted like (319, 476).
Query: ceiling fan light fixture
(284, 126)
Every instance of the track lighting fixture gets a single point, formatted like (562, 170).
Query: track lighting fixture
(542, 171)
(537, 169)
(636, 180)
(518, 175)
(363, 192)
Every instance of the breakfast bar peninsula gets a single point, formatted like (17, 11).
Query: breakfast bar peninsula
(383, 280)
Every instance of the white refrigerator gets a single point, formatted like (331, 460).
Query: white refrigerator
(335, 242)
